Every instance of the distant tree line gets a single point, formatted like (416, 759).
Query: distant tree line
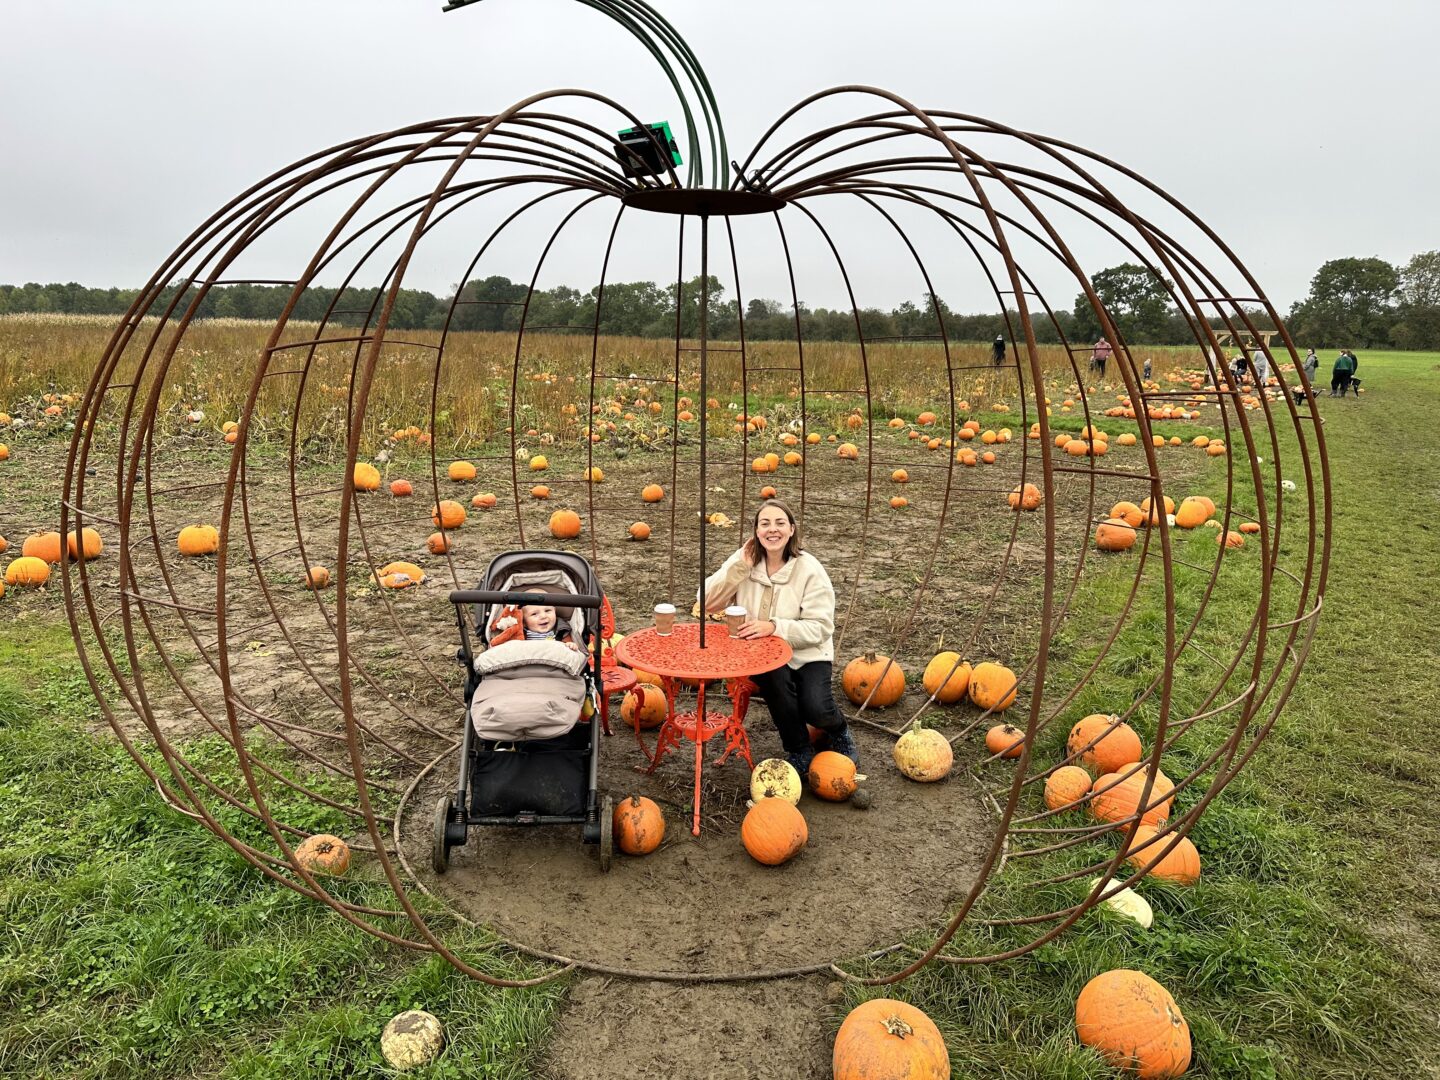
(1361, 303)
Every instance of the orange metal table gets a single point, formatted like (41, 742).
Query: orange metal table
(679, 656)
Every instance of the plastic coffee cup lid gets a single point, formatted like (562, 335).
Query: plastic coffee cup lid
(664, 609)
(735, 609)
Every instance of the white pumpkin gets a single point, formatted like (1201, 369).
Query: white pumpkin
(1127, 903)
(774, 778)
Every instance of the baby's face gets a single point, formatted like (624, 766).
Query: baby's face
(539, 619)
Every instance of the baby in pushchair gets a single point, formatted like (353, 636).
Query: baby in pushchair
(530, 748)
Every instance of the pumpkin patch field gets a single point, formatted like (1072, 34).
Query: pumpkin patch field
(1297, 934)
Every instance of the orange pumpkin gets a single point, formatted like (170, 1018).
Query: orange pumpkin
(399, 575)
(1006, 740)
(317, 577)
(540, 491)
(652, 493)
(565, 524)
(1066, 786)
(1116, 796)
(27, 570)
(1181, 864)
(1192, 513)
(84, 545)
(883, 1039)
(1027, 498)
(438, 544)
(900, 476)
(898, 502)
(448, 514)
(639, 531)
(768, 492)
(366, 477)
(875, 677)
(1115, 744)
(992, 687)
(1128, 513)
(539, 463)
(832, 776)
(1230, 539)
(45, 546)
(595, 474)
(1134, 1023)
(946, 677)
(774, 832)
(645, 703)
(401, 488)
(486, 500)
(639, 826)
(324, 854)
(1249, 528)
(848, 452)
(198, 540)
(461, 470)
(1114, 534)
(925, 419)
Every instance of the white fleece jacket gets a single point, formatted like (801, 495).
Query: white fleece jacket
(798, 599)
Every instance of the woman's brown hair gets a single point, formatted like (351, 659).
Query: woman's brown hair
(793, 546)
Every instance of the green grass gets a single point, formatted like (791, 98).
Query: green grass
(1308, 948)
(135, 944)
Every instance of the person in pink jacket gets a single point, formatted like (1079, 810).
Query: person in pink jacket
(785, 591)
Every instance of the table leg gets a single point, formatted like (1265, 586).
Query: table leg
(667, 737)
(699, 752)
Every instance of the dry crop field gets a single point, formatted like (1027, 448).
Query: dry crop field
(1264, 954)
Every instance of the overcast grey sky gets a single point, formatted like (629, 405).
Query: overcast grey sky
(1299, 131)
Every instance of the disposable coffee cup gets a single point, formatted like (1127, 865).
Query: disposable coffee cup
(664, 619)
(735, 617)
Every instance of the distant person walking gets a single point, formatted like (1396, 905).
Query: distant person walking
(1099, 355)
(997, 350)
(1147, 369)
(1342, 373)
(1262, 369)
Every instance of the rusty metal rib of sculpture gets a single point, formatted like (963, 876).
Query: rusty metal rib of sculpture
(993, 195)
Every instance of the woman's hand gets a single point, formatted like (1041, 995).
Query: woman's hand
(752, 630)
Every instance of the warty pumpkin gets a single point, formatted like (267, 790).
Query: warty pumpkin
(775, 778)
(883, 1039)
(1134, 1023)
(873, 676)
(639, 826)
(773, 832)
(924, 754)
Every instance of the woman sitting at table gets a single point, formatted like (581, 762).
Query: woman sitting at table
(786, 592)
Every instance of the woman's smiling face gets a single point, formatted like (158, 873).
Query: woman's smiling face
(773, 529)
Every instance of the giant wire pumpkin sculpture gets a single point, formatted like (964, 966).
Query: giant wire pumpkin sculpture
(939, 190)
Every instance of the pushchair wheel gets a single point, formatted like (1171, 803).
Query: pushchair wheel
(440, 841)
(607, 833)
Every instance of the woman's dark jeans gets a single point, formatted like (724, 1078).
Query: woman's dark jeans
(800, 696)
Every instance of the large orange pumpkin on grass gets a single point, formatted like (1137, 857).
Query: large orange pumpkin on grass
(1114, 534)
(1134, 1023)
(639, 826)
(1066, 786)
(1115, 744)
(27, 570)
(1116, 796)
(1181, 864)
(876, 672)
(946, 677)
(773, 832)
(884, 1039)
(992, 687)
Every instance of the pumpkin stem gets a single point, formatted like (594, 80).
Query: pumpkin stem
(895, 1026)
(634, 801)
(870, 657)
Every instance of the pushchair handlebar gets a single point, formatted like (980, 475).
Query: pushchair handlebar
(522, 599)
